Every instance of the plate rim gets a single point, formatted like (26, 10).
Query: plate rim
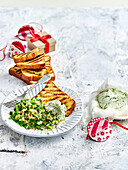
(43, 135)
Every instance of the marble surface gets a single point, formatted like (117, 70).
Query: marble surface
(92, 45)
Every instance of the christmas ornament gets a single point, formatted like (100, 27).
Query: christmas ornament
(99, 129)
(15, 47)
(26, 30)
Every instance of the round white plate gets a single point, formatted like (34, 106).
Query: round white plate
(71, 121)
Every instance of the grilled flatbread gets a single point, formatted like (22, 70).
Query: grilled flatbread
(52, 92)
(36, 63)
(18, 72)
(35, 75)
(27, 56)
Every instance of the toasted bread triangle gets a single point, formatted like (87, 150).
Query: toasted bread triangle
(52, 92)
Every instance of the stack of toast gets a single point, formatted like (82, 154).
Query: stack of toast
(32, 66)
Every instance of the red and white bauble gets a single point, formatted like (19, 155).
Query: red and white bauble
(99, 129)
(28, 30)
(16, 48)
(25, 31)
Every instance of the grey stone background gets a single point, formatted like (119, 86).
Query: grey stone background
(92, 45)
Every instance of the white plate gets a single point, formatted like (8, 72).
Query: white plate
(71, 121)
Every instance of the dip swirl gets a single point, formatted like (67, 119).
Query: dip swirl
(112, 98)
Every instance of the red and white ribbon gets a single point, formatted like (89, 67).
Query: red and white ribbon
(43, 38)
(26, 30)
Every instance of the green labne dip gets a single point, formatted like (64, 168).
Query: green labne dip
(112, 98)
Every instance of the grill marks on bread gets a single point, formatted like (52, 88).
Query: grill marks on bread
(27, 56)
(35, 75)
(29, 78)
(14, 71)
(37, 59)
(43, 71)
(32, 66)
(36, 63)
(52, 92)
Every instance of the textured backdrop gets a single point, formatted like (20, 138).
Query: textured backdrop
(92, 45)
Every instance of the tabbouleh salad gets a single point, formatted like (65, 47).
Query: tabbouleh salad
(33, 114)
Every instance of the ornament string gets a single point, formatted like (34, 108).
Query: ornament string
(26, 30)
(119, 125)
(40, 29)
(3, 49)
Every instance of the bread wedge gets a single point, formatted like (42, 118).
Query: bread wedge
(19, 73)
(34, 64)
(51, 72)
(52, 92)
(27, 56)
(16, 71)
(35, 75)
